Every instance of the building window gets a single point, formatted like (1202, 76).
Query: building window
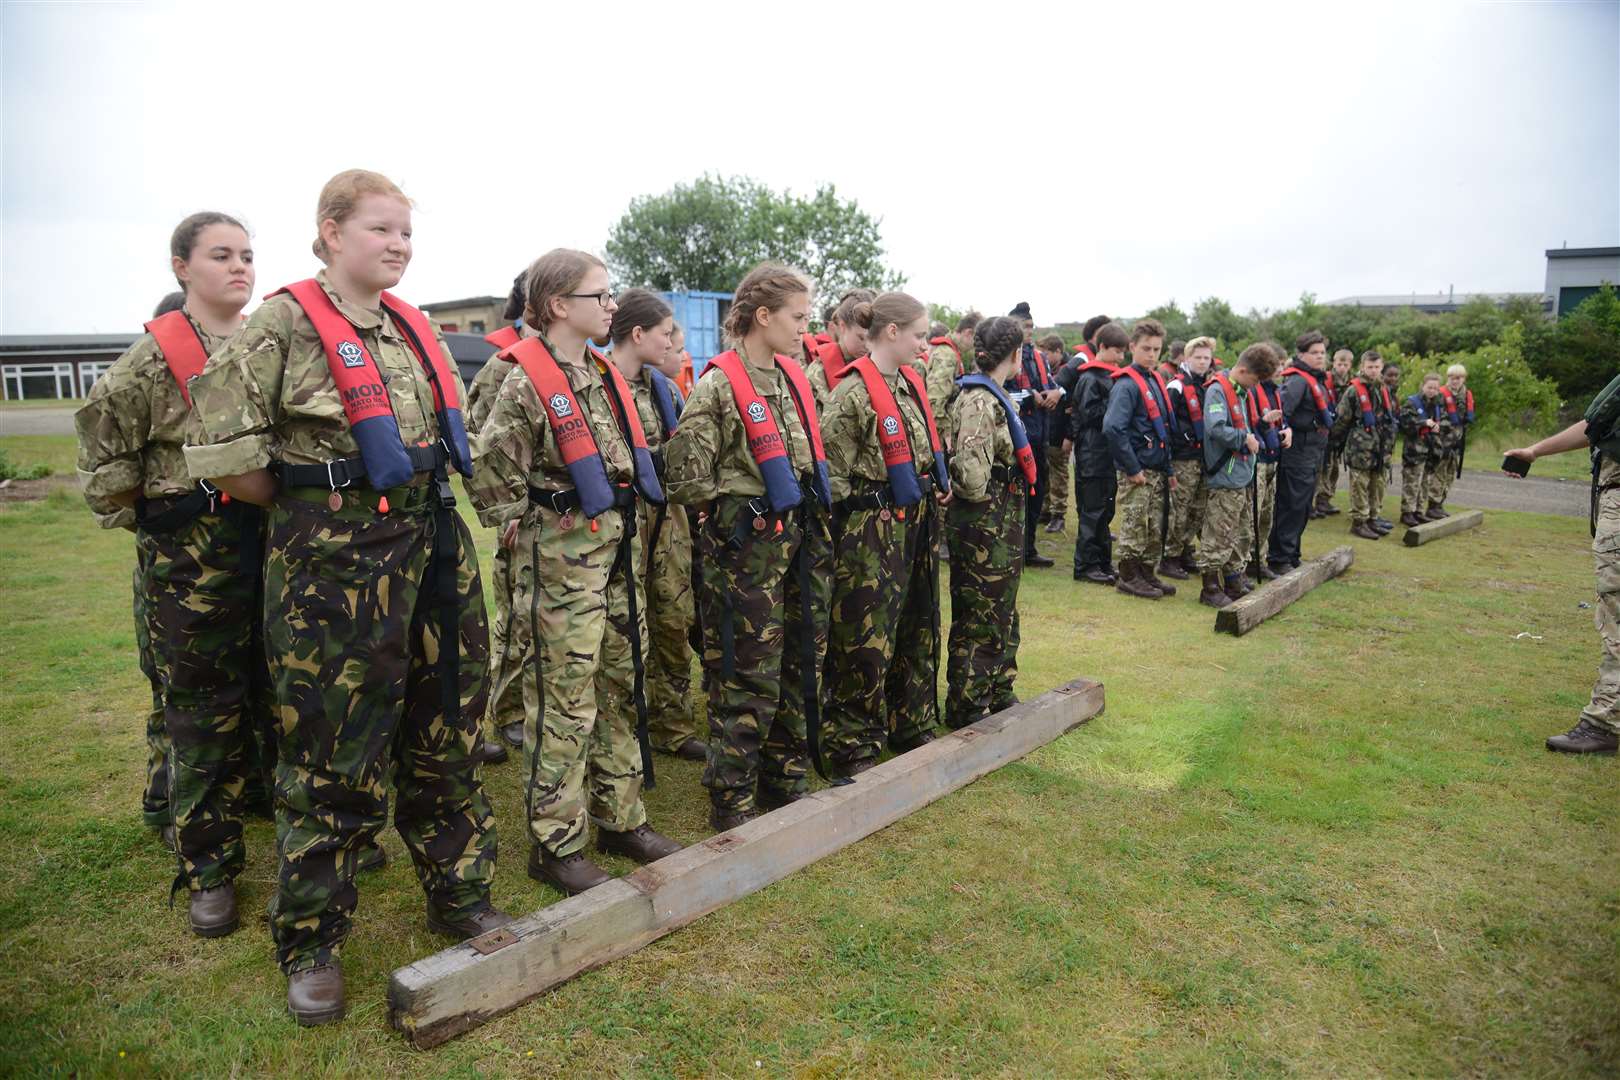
(449, 327)
(89, 372)
(31, 382)
(476, 326)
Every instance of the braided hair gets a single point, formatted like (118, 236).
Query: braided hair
(996, 339)
(516, 299)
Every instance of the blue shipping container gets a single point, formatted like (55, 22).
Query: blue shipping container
(699, 314)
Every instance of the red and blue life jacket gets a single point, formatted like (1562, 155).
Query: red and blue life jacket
(898, 459)
(1015, 426)
(360, 384)
(765, 440)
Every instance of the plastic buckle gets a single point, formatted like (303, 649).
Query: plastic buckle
(213, 495)
(446, 494)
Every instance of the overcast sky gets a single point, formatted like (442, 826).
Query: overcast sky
(1079, 159)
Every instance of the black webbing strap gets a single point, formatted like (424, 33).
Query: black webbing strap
(447, 598)
(1254, 510)
(539, 676)
(566, 500)
(179, 513)
(927, 540)
(350, 471)
(807, 648)
(1164, 516)
(625, 564)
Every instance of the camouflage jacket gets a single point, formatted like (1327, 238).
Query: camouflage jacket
(133, 431)
(1363, 449)
(1449, 438)
(849, 432)
(708, 455)
(268, 395)
(517, 449)
(485, 388)
(942, 373)
(1418, 445)
(977, 427)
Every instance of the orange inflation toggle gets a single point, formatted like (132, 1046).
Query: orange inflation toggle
(382, 505)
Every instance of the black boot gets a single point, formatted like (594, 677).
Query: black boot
(1212, 593)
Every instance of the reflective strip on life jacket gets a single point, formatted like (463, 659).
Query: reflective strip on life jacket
(569, 427)
(182, 348)
(1015, 426)
(765, 440)
(360, 386)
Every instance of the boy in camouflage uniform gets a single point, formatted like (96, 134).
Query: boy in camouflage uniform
(1056, 511)
(1138, 426)
(984, 528)
(1360, 422)
(1450, 436)
(1327, 480)
(1187, 459)
(1418, 424)
(883, 639)
(1225, 545)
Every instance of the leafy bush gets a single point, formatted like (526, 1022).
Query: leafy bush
(11, 471)
(1508, 395)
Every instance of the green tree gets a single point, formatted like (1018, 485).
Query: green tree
(1582, 353)
(1214, 317)
(1177, 327)
(709, 233)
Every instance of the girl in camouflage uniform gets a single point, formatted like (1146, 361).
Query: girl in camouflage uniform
(199, 570)
(748, 455)
(642, 330)
(337, 406)
(560, 429)
(984, 527)
(888, 478)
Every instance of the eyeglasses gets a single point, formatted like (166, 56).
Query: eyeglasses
(604, 298)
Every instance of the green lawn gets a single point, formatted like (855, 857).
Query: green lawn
(1333, 847)
(43, 403)
(1484, 454)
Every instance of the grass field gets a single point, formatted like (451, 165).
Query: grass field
(1333, 847)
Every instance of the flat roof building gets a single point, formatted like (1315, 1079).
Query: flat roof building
(1573, 274)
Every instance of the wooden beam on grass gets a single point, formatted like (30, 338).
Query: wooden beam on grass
(1418, 535)
(443, 995)
(1241, 616)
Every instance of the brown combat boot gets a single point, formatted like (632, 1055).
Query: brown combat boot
(315, 995)
(1236, 586)
(726, 820)
(1152, 579)
(213, 911)
(1411, 520)
(1172, 568)
(1585, 738)
(471, 925)
(1132, 582)
(640, 844)
(693, 749)
(1436, 513)
(1365, 531)
(1213, 594)
(571, 874)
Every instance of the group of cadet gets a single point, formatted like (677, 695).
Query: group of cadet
(1214, 470)
(309, 605)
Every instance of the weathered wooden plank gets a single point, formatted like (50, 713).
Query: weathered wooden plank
(1418, 535)
(1241, 616)
(453, 991)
